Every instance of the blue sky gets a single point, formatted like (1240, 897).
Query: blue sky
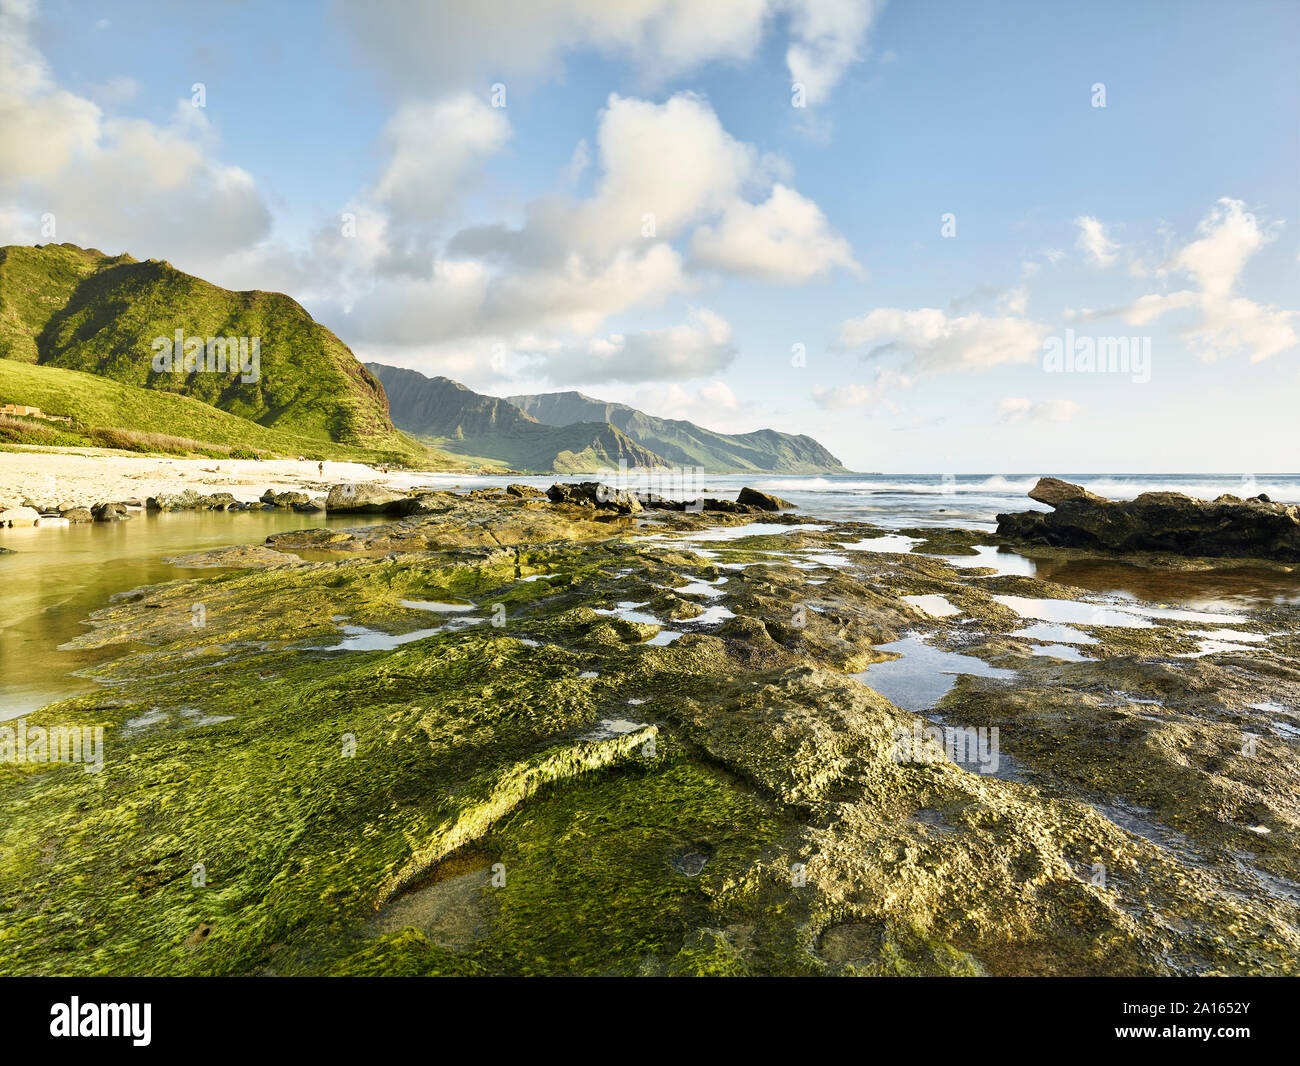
(506, 246)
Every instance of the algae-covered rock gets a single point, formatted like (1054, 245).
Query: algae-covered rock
(363, 497)
(499, 738)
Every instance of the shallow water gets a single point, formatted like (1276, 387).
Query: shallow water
(1210, 590)
(1075, 612)
(924, 674)
(749, 529)
(933, 604)
(57, 575)
(1055, 632)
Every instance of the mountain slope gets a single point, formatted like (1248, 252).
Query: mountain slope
(486, 428)
(79, 309)
(106, 413)
(684, 443)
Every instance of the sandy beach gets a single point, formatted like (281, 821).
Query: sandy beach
(82, 477)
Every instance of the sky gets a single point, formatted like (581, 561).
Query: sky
(898, 227)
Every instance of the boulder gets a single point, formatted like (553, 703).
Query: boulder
(108, 512)
(188, 500)
(13, 517)
(77, 514)
(763, 501)
(1053, 491)
(525, 492)
(594, 494)
(1159, 522)
(364, 497)
(421, 503)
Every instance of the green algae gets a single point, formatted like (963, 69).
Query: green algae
(750, 817)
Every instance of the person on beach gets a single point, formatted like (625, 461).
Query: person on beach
(320, 469)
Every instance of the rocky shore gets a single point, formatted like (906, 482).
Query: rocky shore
(1158, 522)
(506, 735)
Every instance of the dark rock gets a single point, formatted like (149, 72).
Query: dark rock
(108, 512)
(1161, 522)
(731, 507)
(525, 492)
(594, 494)
(77, 514)
(763, 501)
(660, 503)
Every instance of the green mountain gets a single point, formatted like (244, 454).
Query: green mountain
(107, 414)
(684, 443)
(117, 317)
(494, 432)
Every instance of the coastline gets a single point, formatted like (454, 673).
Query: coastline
(700, 710)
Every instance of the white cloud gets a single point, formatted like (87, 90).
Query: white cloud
(784, 239)
(663, 173)
(698, 347)
(935, 341)
(713, 405)
(61, 154)
(432, 44)
(434, 144)
(829, 35)
(855, 394)
(1094, 241)
(1226, 324)
(1022, 409)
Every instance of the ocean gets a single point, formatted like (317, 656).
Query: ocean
(902, 501)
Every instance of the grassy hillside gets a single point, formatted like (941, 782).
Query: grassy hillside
(491, 431)
(684, 443)
(69, 307)
(107, 413)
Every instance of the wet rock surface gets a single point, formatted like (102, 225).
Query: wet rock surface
(1158, 522)
(650, 744)
(763, 501)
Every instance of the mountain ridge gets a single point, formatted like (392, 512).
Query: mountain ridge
(458, 420)
(685, 443)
